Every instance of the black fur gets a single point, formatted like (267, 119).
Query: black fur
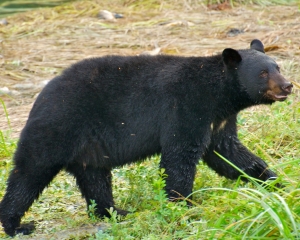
(106, 112)
(257, 45)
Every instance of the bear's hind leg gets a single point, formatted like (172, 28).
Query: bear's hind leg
(95, 184)
(23, 187)
(224, 140)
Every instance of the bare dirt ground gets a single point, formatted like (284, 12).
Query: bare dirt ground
(36, 46)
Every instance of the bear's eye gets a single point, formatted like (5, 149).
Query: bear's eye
(264, 74)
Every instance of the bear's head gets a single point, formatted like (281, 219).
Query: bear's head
(257, 73)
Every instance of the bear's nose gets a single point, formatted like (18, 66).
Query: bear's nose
(287, 87)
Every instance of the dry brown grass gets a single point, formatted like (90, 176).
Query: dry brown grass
(37, 45)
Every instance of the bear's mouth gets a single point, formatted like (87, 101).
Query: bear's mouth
(280, 97)
(277, 96)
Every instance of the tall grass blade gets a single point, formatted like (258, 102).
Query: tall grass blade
(253, 180)
(245, 236)
(5, 111)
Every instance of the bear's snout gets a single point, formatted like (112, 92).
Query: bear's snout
(279, 88)
(287, 87)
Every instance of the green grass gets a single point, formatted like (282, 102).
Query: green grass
(223, 209)
(7, 146)
(11, 7)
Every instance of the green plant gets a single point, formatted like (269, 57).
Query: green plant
(267, 215)
(92, 211)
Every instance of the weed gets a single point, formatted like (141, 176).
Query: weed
(92, 211)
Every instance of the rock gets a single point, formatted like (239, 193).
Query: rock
(234, 31)
(4, 90)
(106, 15)
(118, 15)
(109, 16)
(7, 91)
(3, 21)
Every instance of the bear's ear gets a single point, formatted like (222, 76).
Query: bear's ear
(257, 45)
(231, 57)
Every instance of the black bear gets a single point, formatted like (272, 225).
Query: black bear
(106, 112)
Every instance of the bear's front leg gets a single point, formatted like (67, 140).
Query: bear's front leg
(180, 166)
(225, 141)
